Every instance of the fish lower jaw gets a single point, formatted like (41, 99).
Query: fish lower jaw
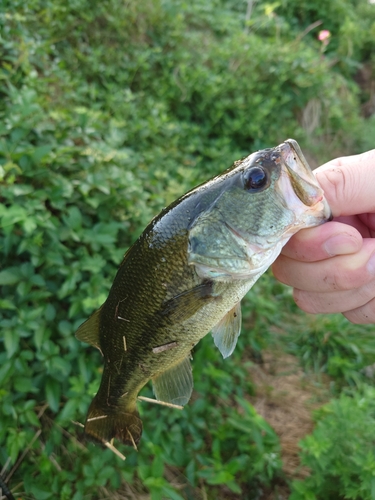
(312, 217)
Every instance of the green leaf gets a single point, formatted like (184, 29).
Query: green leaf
(40, 494)
(13, 215)
(68, 411)
(23, 384)
(171, 494)
(10, 276)
(40, 152)
(157, 467)
(6, 304)
(53, 393)
(11, 341)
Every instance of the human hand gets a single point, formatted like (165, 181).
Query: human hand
(332, 267)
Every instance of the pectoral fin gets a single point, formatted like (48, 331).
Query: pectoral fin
(227, 331)
(186, 304)
(176, 384)
(89, 330)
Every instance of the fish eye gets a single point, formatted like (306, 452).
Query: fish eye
(255, 178)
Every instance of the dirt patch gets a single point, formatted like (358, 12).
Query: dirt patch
(285, 397)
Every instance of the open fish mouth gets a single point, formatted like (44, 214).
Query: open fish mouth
(304, 184)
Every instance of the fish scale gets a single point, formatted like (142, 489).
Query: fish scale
(186, 275)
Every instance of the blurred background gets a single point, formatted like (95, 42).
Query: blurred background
(110, 110)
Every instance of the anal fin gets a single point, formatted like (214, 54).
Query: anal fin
(227, 331)
(175, 385)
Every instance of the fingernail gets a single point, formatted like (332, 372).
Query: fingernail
(371, 264)
(340, 245)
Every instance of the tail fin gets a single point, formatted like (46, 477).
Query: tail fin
(122, 423)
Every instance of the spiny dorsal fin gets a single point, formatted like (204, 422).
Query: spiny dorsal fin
(175, 385)
(89, 330)
(227, 331)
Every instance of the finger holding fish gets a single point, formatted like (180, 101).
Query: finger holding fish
(322, 242)
(342, 272)
(341, 301)
(332, 267)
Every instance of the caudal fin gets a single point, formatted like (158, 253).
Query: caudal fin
(122, 423)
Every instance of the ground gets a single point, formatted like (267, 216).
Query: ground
(285, 397)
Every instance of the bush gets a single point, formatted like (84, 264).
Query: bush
(330, 344)
(340, 451)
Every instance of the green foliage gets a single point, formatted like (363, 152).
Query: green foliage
(332, 345)
(350, 22)
(340, 451)
(108, 112)
(244, 449)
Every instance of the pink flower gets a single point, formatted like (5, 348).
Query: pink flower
(324, 35)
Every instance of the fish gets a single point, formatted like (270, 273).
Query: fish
(185, 276)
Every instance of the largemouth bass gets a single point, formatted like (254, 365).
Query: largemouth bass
(186, 275)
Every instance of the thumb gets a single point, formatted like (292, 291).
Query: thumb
(349, 184)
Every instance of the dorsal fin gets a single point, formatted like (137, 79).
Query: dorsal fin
(89, 330)
(227, 331)
(175, 385)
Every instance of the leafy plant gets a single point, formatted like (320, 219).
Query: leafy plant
(340, 451)
(332, 345)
